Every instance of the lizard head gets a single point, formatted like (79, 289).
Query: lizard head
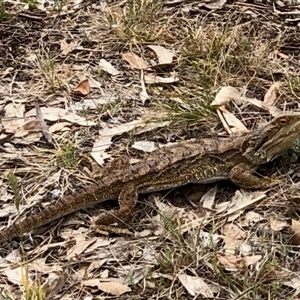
(270, 140)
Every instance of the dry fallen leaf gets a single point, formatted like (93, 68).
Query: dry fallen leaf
(195, 285)
(56, 113)
(145, 146)
(273, 110)
(30, 126)
(230, 262)
(223, 206)
(208, 198)
(225, 95)
(233, 237)
(282, 55)
(40, 265)
(61, 126)
(108, 67)
(96, 264)
(272, 94)
(15, 275)
(83, 88)
(231, 124)
(143, 94)
(295, 240)
(240, 201)
(276, 224)
(235, 263)
(13, 116)
(8, 209)
(251, 260)
(214, 4)
(67, 48)
(113, 288)
(165, 56)
(152, 78)
(168, 210)
(103, 142)
(294, 282)
(78, 248)
(251, 218)
(135, 61)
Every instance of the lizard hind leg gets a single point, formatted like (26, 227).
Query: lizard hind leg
(127, 200)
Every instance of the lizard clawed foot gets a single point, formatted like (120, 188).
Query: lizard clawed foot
(277, 179)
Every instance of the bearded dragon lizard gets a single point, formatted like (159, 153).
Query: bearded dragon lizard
(203, 161)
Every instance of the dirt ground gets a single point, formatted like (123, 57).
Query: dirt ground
(83, 82)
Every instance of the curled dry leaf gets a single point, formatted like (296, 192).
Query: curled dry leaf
(251, 260)
(208, 198)
(272, 94)
(83, 88)
(56, 113)
(135, 61)
(108, 67)
(225, 95)
(165, 56)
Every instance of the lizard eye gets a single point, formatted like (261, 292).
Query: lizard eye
(282, 121)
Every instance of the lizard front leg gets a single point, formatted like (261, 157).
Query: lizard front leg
(242, 176)
(127, 200)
